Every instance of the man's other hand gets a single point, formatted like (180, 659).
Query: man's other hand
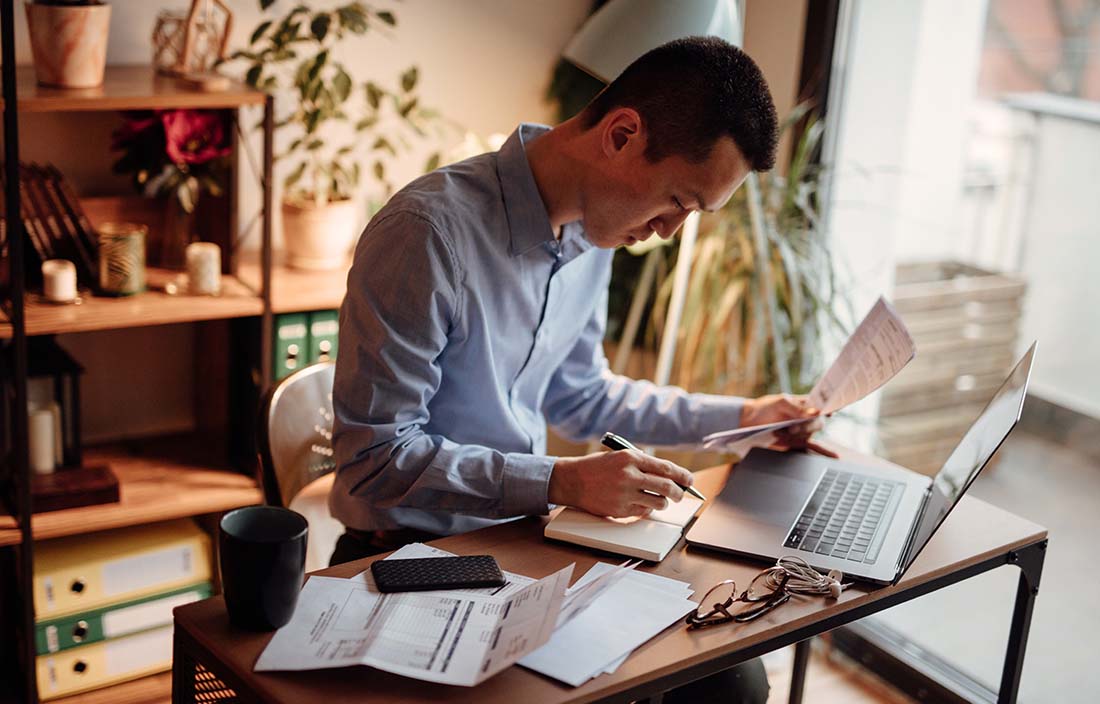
(619, 484)
(777, 407)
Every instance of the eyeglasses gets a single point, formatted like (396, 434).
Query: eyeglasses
(715, 608)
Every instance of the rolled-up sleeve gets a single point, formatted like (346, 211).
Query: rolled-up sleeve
(404, 293)
(585, 399)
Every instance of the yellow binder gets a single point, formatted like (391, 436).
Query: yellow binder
(80, 573)
(105, 663)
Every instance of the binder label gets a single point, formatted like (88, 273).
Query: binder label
(139, 652)
(150, 569)
(144, 616)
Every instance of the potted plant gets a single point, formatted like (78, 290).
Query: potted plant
(334, 116)
(69, 41)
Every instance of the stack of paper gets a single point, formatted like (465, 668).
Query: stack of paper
(632, 608)
(451, 636)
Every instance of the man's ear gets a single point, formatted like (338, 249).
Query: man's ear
(622, 132)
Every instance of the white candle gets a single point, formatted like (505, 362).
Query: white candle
(59, 280)
(204, 269)
(42, 443)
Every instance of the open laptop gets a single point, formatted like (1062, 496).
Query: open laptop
(869, 522)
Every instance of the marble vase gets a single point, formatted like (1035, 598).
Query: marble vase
(69, 43)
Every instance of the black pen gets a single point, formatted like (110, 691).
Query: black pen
(617, 442)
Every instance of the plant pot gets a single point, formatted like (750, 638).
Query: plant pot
(69, 43)
(319, 237)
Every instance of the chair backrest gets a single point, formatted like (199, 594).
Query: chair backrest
(295, 432)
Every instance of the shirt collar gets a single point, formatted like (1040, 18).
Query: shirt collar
(527, 217)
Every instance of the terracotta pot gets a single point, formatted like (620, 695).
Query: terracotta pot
(69, 43)
(319, 238)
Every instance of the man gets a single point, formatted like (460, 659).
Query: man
(476, 308)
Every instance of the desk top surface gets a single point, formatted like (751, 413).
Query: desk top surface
(974, 532)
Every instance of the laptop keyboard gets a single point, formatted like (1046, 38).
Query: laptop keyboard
(847, 516)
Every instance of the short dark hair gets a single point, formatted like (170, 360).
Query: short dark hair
(690, 92)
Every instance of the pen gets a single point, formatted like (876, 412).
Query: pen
(617, 442)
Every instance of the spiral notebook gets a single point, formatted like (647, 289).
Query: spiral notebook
(649, 538)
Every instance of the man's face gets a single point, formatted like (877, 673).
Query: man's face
(633, 199)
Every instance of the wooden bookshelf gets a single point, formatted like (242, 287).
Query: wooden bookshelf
(297, 290)
(153, 689)
(128, 88)
(153, 307)
(159, 479)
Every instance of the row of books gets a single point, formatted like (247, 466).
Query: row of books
(55, 224)
(103, 603)
(302, 339)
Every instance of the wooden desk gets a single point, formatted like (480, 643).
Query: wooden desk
(976, 538)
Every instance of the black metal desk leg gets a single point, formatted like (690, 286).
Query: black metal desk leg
(798, 672)
(1030, 561)
(183, 673)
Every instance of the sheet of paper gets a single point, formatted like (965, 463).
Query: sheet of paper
(629, 613)
(875, 352)
(878, 349)
(678, 513)
(452, 637)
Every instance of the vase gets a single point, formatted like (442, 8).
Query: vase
(69, 43)
(319, 237)
(179, 227)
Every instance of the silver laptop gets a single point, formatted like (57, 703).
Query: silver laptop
(869, 522)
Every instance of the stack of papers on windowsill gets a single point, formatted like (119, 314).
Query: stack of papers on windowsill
(632, 608)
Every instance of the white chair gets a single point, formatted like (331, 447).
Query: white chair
(295, 444)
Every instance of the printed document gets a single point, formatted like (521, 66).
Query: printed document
(457, 637)
(878, 349)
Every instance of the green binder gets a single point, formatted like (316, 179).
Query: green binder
(324, 329)
(291, 343)
(138, 615)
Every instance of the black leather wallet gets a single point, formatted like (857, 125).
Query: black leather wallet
(426, 573)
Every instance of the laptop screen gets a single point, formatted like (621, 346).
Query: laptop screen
(973, 452)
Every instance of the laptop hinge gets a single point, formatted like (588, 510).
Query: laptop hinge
(912, 537)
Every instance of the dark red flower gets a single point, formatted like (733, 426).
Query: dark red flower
(194, 136)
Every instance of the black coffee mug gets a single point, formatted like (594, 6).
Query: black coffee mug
(263, 560)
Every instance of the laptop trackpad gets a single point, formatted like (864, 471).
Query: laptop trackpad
(772, 495)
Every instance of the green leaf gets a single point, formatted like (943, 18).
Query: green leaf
(341, 84)
(384, 144)
(355, 172)
(295, 175)
(353, 17)
(252, 78)
(379, 171)
(314, 145)
(264, 4)
(405, 109)
(374, 94)
(366, 123)
(387, 17)
(409, 78)
(433, 162)
(344, 150)
(320, 24)
(318, 63)
(259, 31)
(311, 120)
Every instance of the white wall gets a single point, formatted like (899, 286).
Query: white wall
(1060, 259)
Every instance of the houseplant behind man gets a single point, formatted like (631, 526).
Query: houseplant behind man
(476, 308)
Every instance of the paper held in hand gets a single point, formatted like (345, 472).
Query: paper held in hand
(878, 349)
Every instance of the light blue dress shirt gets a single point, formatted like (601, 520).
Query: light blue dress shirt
(467, 327)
